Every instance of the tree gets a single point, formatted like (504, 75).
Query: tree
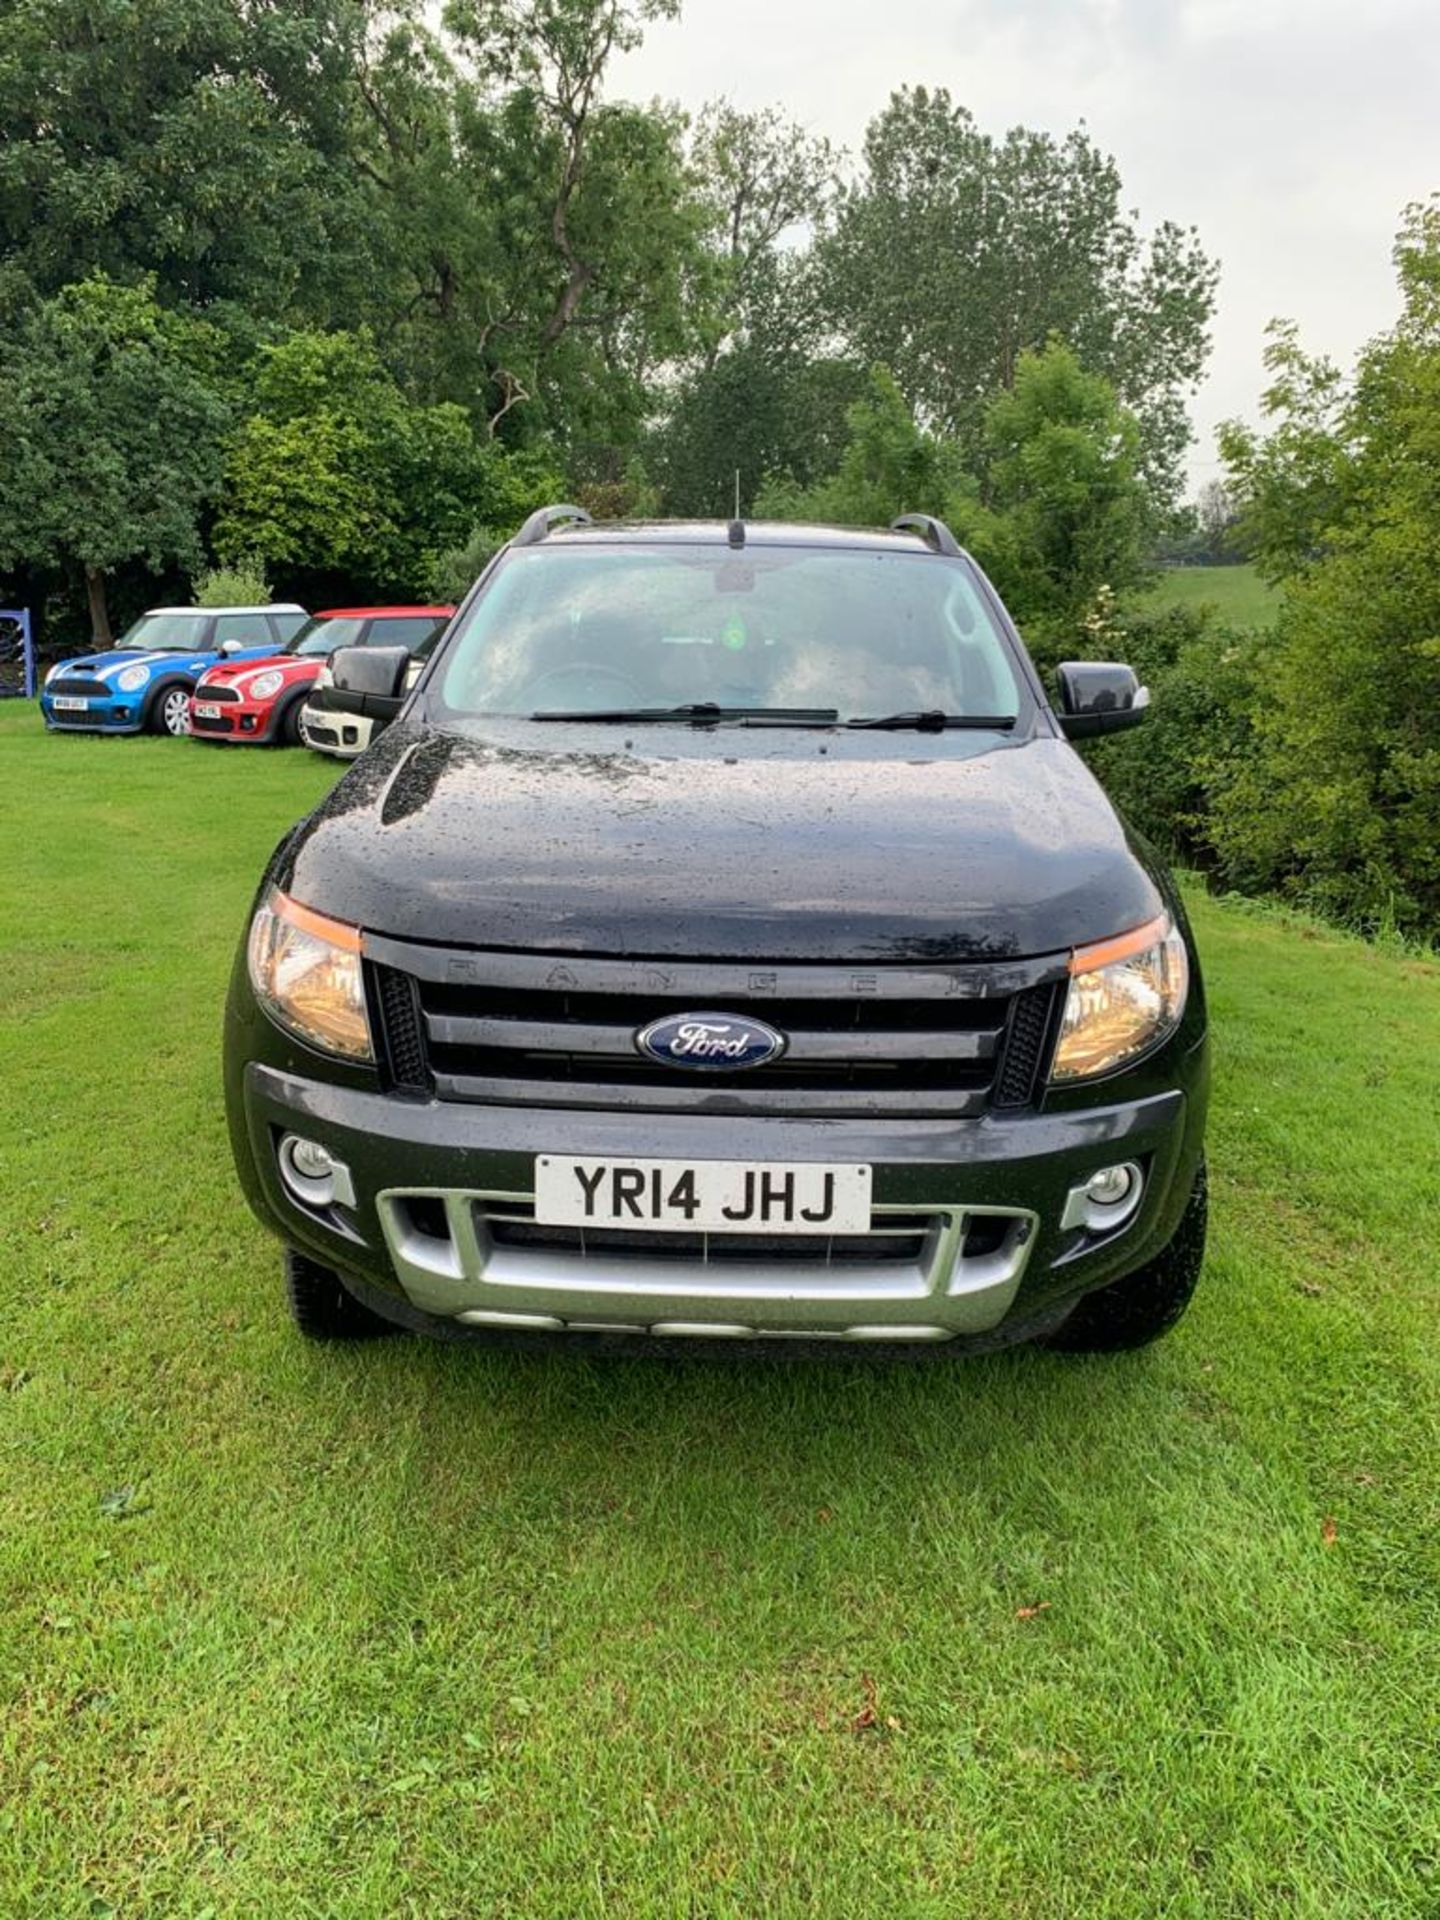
(1064, 511)
(1337, 805)
(765, 177)
(1061, 510)
(112, 434)
(889, 465)
(956, 253)
(1291, 485)
(769, 394)
(201, 142)
(336, 471)
(595, 268)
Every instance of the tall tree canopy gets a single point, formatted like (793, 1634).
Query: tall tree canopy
(955, 253)
(202, 142)
(112, 430)
(1338, 801)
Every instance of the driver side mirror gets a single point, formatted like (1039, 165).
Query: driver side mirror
(1099, 696)
(368, 680)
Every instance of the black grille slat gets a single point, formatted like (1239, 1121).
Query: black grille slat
(715, 1248)
(217, 693)
(209, 723)
(691, 1093)
(790, 1013)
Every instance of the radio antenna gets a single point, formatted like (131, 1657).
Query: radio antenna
(737, 525)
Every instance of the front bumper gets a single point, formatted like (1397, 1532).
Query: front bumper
(124, 714)
(246, 722)
(344, 735)
(427, 1230)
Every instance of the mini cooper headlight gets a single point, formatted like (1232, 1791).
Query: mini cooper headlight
(264, 684)
(132, 679)
(305, 970)
(1125, 996)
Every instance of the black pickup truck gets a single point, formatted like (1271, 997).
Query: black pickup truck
(725, 943)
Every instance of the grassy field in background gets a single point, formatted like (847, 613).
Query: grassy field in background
(412, 1630)
(1238, 594)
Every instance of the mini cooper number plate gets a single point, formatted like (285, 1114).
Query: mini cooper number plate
(207, 709)
(702, 1196)
(67, 703)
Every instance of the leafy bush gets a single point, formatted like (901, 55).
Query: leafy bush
(1170, 775)
(241, 584)
(454, 572)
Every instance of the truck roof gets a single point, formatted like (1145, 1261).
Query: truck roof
(759, 533)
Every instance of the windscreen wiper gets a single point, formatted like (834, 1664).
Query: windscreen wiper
(932, 720)
(701, 713)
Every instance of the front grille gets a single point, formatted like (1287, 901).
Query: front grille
(209, 723)
(861, 1042)
(327, 736)
(221, 692)
(80, 689)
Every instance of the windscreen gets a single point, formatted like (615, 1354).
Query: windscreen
(168, 633)
(596, 628)
(323, 636)
(411, 630)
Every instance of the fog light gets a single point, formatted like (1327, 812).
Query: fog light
(312, 1173)
(1110, 1185)
(1106, 1201)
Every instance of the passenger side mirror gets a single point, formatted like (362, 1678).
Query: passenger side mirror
(368, 680)
(1099, 696)
(227, 647)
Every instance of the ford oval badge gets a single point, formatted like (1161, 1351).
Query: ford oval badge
(710, 1042)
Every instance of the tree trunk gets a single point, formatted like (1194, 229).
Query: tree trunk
(99, 611)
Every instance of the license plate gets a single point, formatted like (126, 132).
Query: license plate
(67, 703)
(702, 1196)
(207, 709)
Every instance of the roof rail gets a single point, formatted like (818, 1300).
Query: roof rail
(544, 520)
(933, 532)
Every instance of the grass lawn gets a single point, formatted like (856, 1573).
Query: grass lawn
(412, 1630)
(1237, 594)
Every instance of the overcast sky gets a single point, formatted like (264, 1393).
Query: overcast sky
(1290, 132)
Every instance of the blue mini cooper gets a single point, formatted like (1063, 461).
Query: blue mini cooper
(146, 681)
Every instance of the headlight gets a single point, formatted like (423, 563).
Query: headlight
(305, 970)
(264, 684)
(132, 679)
(1125, 996)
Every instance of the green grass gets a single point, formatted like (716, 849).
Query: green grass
(412, 1630)
(1237, 594)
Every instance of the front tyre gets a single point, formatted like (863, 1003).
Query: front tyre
(1146, 1304)
(322, 1307)
(170, 712)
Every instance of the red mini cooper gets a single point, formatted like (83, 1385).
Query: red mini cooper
(260, 700)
